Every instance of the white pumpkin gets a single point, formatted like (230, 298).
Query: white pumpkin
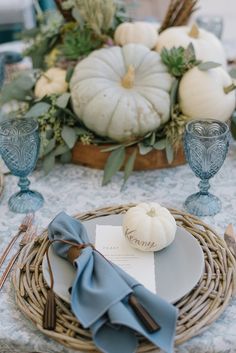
(121, 92)
(202, 94)
(137, 32)
(206, 45)
(149, 226)
(53, 81)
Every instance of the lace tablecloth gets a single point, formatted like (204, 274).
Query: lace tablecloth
(76, 189)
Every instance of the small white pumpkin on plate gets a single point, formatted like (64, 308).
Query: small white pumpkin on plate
(207, 94)
(206, 45)
(53, 81)
(149, 226)
(137, 32)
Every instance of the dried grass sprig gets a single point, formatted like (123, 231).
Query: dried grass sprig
(178, 13)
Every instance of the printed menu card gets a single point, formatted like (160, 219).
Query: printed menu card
(111, 242)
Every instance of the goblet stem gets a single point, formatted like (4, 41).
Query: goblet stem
(204, 186)
(23, 184)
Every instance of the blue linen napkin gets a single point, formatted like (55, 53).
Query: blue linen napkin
(100, 292)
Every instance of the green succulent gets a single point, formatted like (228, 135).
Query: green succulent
(179, 60)
(78, 43)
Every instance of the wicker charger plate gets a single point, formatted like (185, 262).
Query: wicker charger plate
(197, 310)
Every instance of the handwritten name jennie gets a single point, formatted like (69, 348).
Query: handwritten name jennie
(130, 235)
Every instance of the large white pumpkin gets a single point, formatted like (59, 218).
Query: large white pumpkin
(121, 93)
(137, 32)
(149, 226)
(206, 45)
(202, 94)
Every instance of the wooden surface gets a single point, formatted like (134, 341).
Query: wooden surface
(91, 156)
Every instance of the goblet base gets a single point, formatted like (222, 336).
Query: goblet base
(202, 204)
(25, 201)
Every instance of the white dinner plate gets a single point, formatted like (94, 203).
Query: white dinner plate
(178, 267)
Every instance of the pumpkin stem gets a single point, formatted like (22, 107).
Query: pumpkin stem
(152, 212)
(229, 88)
(128, 80)
(194, 31)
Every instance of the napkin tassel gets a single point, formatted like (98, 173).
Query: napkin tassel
(49, 314)
(150, 324)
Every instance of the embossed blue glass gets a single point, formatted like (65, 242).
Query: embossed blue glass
(206, 145)
(19, 148)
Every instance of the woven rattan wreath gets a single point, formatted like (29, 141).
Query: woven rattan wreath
(197, 310)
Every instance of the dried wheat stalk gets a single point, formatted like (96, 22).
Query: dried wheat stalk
(178, 13)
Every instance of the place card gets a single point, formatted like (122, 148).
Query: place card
(111, 242)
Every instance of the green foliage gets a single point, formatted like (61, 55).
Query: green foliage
(208, 65)
(114, 163)
(78, 43)
(38, 110)
(129, 166)
(20, 88)
(41, 41)
(232, 72)
(179, 60)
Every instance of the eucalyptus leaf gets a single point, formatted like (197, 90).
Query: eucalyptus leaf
(80, 131)
(113, 164)
(153, 138)
(208, 65)
(232, 72)
(66, 157)
(69, 136)
(69, 73)
(61, 149)
(11, 91)
(160, 145)
(25, 81)
(111, 148)
(49, 163)
(63, 100)
(38, 110)
(49, 147)
(144, 149)
(169, 153)
(129, 166)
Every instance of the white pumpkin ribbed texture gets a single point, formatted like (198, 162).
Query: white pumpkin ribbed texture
(206, 45)
(137, 32)
(121, 92)
(53, 81)
(202, 96)
(149, 226)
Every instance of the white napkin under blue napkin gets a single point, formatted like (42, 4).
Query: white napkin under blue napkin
(100, 296)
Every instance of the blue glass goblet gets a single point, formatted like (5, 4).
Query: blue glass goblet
(19, 148)
(206, 145)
